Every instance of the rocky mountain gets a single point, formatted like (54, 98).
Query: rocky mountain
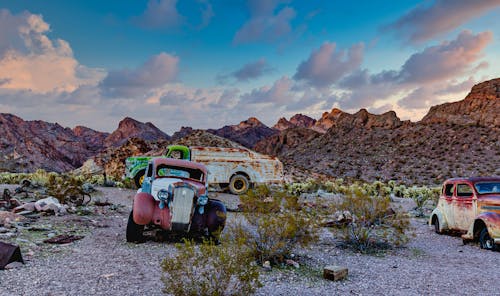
(327, 120)
(298, 120)
(285, 141)
(28, 145)
(246, 133)
(130, 128)
(94, 139)
(382, 147)
(480, 107)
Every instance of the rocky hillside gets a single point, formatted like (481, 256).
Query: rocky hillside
(246, 133)
(382, 147)
(28, 145)
(298, 120)
(480, 107)
(130, 128)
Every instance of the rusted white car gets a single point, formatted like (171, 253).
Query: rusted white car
(470, 206)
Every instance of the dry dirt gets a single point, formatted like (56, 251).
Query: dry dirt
(103, 263)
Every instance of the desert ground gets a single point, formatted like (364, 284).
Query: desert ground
(103, 263)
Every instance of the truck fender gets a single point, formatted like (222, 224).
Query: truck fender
(143, 208)
(443, 224)
(216, 215)
(492, 222)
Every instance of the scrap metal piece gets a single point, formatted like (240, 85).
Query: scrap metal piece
(9, 253)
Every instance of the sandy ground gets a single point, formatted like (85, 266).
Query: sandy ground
(103, 263)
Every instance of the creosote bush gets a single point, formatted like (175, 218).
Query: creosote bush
(374, 224)
(277, 224)
(210, 269)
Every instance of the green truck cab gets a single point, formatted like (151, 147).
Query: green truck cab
(135, 166)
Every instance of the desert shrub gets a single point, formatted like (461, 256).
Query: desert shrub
(209, 269)
(374, 224)
(277, 224)
(67, 188)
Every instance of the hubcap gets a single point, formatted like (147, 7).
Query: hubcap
(239, 185)
(141, 179)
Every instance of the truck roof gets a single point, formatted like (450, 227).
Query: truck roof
(476, 179)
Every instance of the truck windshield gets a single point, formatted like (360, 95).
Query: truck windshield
(181, 172)
(488, 187)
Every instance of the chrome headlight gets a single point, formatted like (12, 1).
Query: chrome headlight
(202, 200)
(162, 194)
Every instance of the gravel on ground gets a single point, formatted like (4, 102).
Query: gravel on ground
(103, 263)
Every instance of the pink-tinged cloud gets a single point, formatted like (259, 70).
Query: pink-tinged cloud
(278, 93)
(325, 66)
(433, 18)
(160, 14)
(29, 60)
(423, 78)
(247, 72)
(154, 73)
(265, 24)
(447, 60)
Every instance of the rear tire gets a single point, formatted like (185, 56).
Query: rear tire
(138, 178)
(485, 240)
(238, 184)
(436, 225)
(134, 230)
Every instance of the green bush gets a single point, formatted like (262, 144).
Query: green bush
(277, 224)
(374, 225)
(209, 269)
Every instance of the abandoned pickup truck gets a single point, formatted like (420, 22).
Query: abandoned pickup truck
(174, 197)
(234, 168)
(470, 206)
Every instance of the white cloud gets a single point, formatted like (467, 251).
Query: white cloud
(433, 18)
(29, 60)
(154, 73)
(265, 23)
(325, 66)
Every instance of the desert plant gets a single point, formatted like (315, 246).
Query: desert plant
(278, 223)
(374, 225)
(210, 269)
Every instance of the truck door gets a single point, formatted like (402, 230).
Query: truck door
(464, 206)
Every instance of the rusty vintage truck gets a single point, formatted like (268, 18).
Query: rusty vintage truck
(174, 198)
(237, 169)
(470, 206)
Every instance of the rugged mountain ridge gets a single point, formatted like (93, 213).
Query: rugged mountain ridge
(480, 107)
(298, 120)
(130, 128)
(453, 139)
(246, 133)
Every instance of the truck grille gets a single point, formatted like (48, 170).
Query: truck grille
(182, 207)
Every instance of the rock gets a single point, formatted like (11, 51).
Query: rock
(6, 218)
(12, 265)
(292, 263)
(49, 204)
(335, 273)
(267, 266)
(30, 206)
(63, 239)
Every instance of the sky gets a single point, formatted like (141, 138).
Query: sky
(208, 63)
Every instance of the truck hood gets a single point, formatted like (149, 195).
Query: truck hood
(164, 183)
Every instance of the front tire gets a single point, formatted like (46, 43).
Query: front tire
(239, 184)
(134, 230)
(436, 226)
(485, 240)
(139, 178)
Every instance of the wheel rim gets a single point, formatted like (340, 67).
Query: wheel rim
(239, 185)
(141, 179)
(488, 243)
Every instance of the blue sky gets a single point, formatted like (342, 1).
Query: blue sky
(206, 63)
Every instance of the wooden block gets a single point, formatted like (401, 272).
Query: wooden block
(334, 273)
